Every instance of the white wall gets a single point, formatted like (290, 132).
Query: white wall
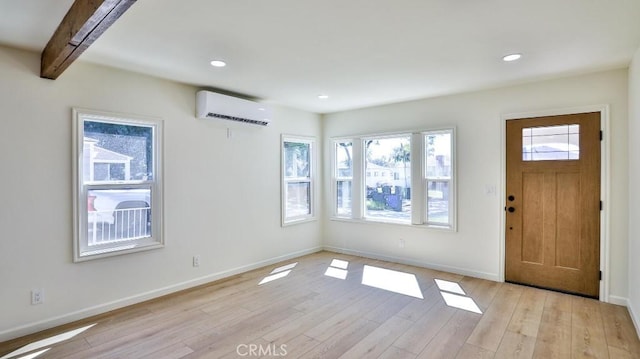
(222, 196)
(475, 248)
(634, 190)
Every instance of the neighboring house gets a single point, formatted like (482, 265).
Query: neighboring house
(402, 174)
(105, 165)
(378, 175)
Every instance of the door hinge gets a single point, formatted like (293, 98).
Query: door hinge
(600, 276)
(601, 205)
(601, 135)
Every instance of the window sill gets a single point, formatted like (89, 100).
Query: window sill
(293, 222)
(117, 251)
(396, 223)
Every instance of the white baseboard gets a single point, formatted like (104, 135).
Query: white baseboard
(634, 317)
(141, 297)
(462, 271)
(614, 299)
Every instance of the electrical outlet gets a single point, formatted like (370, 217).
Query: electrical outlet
(196, 261)
(37, 296)
(401, 243)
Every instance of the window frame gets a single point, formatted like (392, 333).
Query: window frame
(81, 248)
(418, 146)
(311, 179)
(451, 181)
(335, 178)
(363, 140)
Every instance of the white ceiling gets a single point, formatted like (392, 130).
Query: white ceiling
(359, 52)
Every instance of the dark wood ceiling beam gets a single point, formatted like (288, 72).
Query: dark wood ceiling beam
(80, 27)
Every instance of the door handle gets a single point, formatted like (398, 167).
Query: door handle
(511, 209)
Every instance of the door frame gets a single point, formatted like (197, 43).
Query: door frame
(605, 173)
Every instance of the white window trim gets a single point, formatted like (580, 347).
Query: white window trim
(418, 180)
(362, 140)
(80, 192)
(452, 225)
(312, 180)
(335, 178)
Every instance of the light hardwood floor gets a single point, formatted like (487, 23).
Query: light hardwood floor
(307, 314)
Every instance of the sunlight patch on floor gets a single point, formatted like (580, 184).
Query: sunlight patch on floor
(34, 355)
(284, 268)
(336, 273)
(337, 269)
(391, 280)
(460, 302)
(339, 263)
(451, 287)
(455, 297)
(45, 343)
(277, 273)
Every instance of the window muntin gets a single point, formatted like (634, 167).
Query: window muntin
(438, 177)
(343, 177)
(388, 198)
(118, 189)
(298, 179)
(551, 143)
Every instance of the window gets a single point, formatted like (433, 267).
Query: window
(551, 143)
(298, 161)
(343, 177)
(118, 206)
(438, 177)
(404, 178)
(388, 199)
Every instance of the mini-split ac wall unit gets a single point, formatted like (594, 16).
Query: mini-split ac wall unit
(211, 105)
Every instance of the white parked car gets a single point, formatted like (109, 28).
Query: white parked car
(116, 215)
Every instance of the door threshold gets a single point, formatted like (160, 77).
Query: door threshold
(554, 290)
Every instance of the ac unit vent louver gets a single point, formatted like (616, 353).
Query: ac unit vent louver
(214, 105)
(238, 119)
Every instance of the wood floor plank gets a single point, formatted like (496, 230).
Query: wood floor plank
(342, 340)
(396, 353)
(156, 336)
(297, 346)
(327, 328)
(452, 337)
(516, 346)
(554, 334)
(470, 351)
(175, 351)
(311, 318)
(491, 327)
(587, 333)
(619, 329)
(67, 348)
(418, 308)
(378, 341)
(384, 311)
(318, 316)
(420, 334)
(618, 353)
(484, 292)
(528, 313)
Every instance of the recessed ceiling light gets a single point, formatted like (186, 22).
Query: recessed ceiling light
(218, 63)
(511, 57)
(323, 97)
